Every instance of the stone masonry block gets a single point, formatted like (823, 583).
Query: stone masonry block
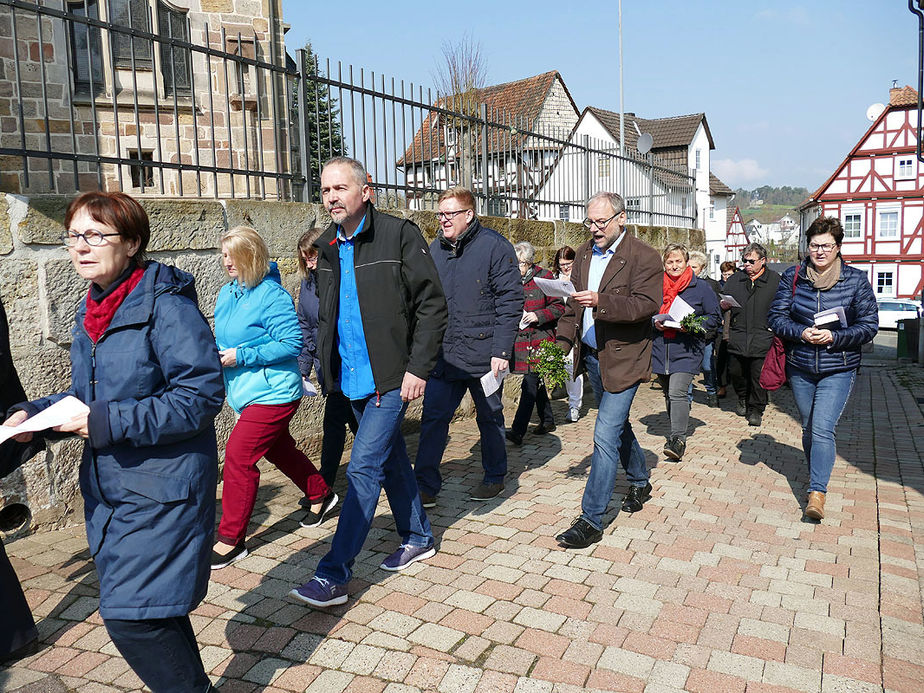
(6, 238)
(44, 220)
(64, 289)
(280, 223)
(209, 273)
(184, 224)
(540, 233)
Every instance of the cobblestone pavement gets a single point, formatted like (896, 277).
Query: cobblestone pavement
(716, 585)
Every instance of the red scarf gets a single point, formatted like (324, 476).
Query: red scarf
(671, 287)
(100, 314)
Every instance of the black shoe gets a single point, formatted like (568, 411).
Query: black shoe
(542, 429)
(486, 491)
(426, 500)
(514, 438)
(741, 409)
(674, 448)
(235, 554)
(27, 650)
(580, 535)
(712, 401)
(754, 418)
(314, 519)
(636, 498)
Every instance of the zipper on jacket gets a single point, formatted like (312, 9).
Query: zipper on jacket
(817, 348)
(92, 370)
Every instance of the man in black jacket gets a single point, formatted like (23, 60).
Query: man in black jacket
(749, 336)
(381, 320)
(478, 270)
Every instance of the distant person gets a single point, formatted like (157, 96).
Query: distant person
(608, 322)
(144, 360)
(749, 336)
(259, 339)
(561, 268)
(338, 414)
(677, 355)
(822, 360)
(382, 317)
(727, 268)
(540, 317)
(712, 337)
(478, 270)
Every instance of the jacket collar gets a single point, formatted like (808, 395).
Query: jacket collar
(456, 248)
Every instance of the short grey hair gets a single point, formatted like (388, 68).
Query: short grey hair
(356, 168)
(525, 251)
(676, 248)
(614, 200)
(754, 248)
(699, 258)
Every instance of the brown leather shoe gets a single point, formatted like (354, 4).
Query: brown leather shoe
(816, 505)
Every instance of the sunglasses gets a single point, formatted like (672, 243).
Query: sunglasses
(751, 262)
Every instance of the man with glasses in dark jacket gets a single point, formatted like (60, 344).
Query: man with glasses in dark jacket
(749, 336)
(478, 270)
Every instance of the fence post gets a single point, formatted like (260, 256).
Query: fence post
(484, 156)
(585, 141)
(304, 141)
(650, 189)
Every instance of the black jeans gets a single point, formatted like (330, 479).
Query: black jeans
(18, 628)
(745, 378)
(532, 392)
(338, 413)
(163, 653)
(721, 363)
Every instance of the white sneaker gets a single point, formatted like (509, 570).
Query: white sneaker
(573, 415)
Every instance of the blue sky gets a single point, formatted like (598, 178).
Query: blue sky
(784, 85)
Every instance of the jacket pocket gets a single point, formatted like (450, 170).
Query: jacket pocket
(156, 487)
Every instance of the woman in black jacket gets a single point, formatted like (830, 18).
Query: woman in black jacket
(823, 356)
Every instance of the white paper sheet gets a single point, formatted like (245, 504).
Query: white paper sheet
(556, 288)
(730, 300)
(490, 382)
(523, 322)
(679, 310)
(58, 413)
(827, 318)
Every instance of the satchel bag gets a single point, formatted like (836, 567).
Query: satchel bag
(773, 372)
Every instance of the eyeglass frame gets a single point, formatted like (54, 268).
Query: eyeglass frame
(449, 216)
(752, 262)
(590, 223)
(68, 236)
(821, 247)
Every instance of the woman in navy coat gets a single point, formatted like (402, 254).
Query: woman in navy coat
(144, 360)
(677, 355)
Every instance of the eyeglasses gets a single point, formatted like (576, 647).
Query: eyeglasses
(445, 216)
(92, 237)
(599, 223)
(822, 247)
(751, 262)
(565, 265)
(525, 264)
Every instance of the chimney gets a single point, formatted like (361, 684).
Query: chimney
(894, 93)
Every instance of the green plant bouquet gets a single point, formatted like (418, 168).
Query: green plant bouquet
(549, 364)
(693, 323)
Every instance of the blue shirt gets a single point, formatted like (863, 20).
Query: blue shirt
(599, 259)
(356, 380)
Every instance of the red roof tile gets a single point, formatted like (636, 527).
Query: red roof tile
(903, 96)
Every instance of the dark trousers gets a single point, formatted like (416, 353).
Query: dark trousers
(745, 378)
(721, 364)
(441, 399)
(162, 652)
(18, 628)
(532, 392)
(338, 413)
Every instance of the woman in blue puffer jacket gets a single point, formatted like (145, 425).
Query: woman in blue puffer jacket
(822, 359)
(259, 339)
(677, 355)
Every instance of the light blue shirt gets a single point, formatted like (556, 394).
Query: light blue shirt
(356, 380)
(599, 259)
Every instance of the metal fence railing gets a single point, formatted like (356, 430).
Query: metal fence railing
(156, 102)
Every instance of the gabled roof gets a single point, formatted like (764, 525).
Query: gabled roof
(521, 99)
(731, 218)
(718, 188)
(899, 99)
(676, 131)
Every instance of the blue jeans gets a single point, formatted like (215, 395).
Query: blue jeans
(709, 372)
(378, 460)
(614, 443)
(441, 399)
(821, 400)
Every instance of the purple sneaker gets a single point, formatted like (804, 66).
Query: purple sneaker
(405, 555)
(320, 592)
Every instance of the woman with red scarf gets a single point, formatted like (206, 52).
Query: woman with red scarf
(677, 354)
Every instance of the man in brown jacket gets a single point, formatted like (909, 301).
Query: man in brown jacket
(618, 280)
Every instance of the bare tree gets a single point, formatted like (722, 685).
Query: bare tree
(458, 79)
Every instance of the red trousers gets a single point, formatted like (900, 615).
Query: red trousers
(261, 431)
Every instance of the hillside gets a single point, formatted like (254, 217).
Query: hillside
(776, 202)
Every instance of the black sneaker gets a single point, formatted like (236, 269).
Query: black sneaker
(712, 401)
(314, 519)
(542, 429)
(636, 498)
(235, 554)
(674, 448)
(515, 438)
(741, 409)
(486, 491)
(426, 500)
(581, 534)
(755, 418)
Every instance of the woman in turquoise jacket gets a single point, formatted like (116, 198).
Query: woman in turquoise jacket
(259, 340)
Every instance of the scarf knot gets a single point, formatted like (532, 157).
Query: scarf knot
(671, 288)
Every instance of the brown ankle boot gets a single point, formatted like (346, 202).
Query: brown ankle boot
(816, 505)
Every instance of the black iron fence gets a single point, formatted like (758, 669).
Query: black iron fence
(142, 97)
